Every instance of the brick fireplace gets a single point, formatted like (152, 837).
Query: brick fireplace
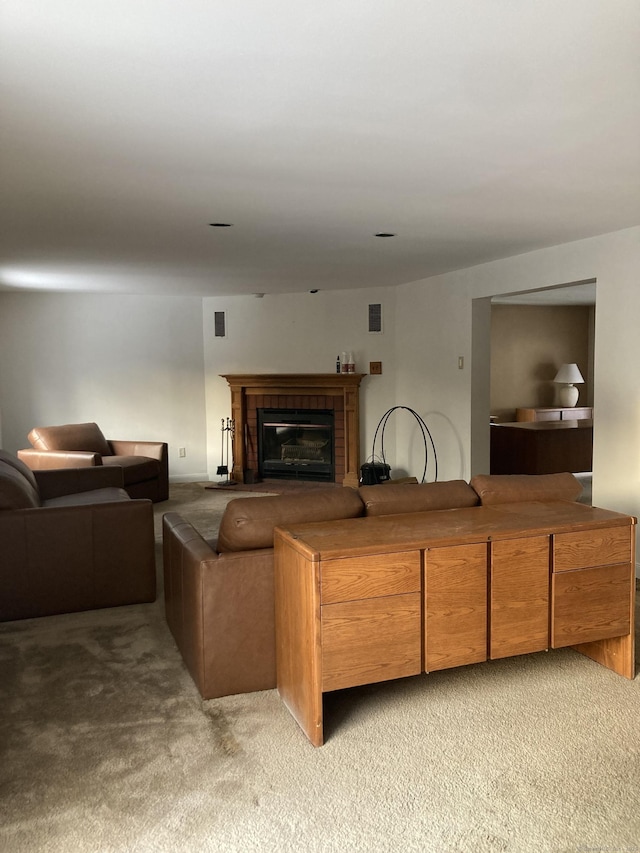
(337, 392)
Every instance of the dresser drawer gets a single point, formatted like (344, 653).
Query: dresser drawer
(583, 414)
(592, 604)
(369, 577)
(549, 415)
(586, 548)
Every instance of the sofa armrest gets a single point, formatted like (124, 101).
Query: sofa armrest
(152, 449)
(41, 459)
(67, 481)
(65, 559)
(221, 611)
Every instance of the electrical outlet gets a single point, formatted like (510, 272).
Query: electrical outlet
(375, 368)
(182, 451)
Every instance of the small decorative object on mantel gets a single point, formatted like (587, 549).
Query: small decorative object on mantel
(567, 377)
(347, 363)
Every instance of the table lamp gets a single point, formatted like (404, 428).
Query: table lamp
(567, 377)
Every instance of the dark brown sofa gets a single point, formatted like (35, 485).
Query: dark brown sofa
(219, 596)
(145, 464)
(71, 539)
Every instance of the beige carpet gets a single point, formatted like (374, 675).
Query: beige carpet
(106, 746)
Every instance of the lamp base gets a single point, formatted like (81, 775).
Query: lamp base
(568, 396)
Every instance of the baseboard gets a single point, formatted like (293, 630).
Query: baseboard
(189, 478)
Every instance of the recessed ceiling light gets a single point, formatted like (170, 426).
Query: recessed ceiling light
(384, 234)
(220, 224)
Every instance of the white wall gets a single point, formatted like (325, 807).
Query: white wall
(132, 364)
(143, 367)
(434, 331)
(299, 333)
(434, 326)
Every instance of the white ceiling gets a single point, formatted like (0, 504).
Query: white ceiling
(582, 293)
(472, 130)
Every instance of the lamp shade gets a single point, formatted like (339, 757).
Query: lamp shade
(569, 374)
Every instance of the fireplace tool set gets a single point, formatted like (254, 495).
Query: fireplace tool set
(226, 431)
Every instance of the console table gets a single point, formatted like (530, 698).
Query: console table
(371, 599)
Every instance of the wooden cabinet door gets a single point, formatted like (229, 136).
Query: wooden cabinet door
(519, 615)
(374, 639)
(455, 606)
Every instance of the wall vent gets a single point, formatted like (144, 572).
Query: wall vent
(219, 324)
(375, 317)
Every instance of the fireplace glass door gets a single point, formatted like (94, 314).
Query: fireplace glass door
(296, 444)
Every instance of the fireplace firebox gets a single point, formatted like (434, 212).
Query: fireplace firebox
(296, 444)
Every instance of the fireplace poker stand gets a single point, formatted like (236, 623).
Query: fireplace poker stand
(226, 431)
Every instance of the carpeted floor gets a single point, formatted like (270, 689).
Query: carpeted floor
(106, 746)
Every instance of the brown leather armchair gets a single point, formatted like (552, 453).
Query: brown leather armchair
(71, 539)
(145, 464)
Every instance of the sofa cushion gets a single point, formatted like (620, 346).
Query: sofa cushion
(514, 488)
(110, 494)
(18, 488)
(248, 523)
(135, 469)
(86, 437)
(417, 497)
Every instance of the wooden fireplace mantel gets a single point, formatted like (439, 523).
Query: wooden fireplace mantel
(291, 387)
